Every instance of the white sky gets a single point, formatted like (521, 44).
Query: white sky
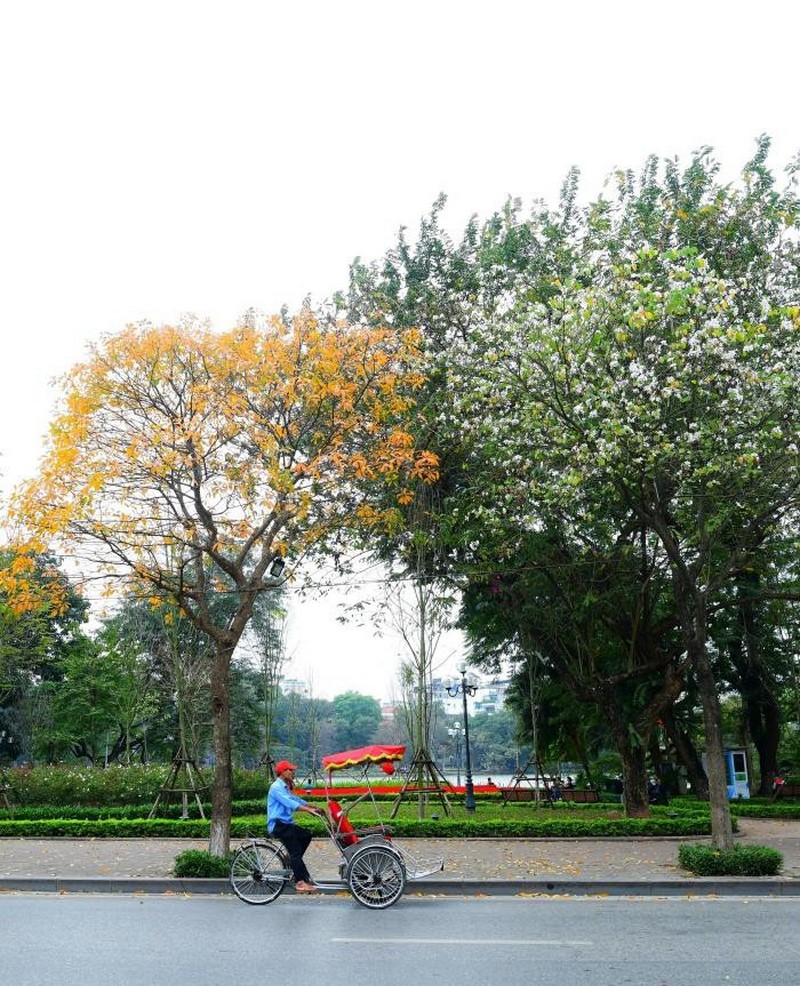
(171, 156)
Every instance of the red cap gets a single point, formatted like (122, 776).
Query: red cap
(282, 765)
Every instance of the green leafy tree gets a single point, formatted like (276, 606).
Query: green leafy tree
(134, 693)
(493, 742)
(85, 705)
(33, 641)
(356, 719)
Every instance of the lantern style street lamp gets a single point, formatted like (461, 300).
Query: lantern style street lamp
(466, 688)
(457, 731)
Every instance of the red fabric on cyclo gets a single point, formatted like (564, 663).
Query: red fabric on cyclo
(344, 827)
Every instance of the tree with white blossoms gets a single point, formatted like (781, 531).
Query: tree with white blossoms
(492, 520)
(670, 392)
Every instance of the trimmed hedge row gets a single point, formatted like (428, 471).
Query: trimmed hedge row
(443, 828)
(87, 812)
(255, 806)
(249, 807)
(766, 809)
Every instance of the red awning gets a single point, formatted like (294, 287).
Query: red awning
(364, 755)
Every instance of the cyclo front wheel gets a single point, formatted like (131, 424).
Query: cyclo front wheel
(259, 872)
(376, 876)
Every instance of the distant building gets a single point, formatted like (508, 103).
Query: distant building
(295, 686)
(488, 698)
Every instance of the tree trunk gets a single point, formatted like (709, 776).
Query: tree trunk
(634, 764)
(693, 613)
(222, 787)
(687, 755)
(721, 825)
(761, 708)
(634, 782)
(763, 720)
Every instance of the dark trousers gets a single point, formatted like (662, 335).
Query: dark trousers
(297, 840)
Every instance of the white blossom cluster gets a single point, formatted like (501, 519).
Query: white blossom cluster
(651, 379)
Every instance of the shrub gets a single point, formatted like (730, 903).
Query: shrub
(197, 863)
(739, 861)
(245, 826)
(765, 808)
(88, 786)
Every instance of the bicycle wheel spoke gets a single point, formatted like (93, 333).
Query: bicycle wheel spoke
(258, 873)
(376, 877)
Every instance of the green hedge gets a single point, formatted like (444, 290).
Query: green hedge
(197, 863)
(763, 808)
(241, 827)
(739, 861)
(87, 812)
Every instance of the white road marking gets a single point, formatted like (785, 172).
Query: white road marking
(495, 942)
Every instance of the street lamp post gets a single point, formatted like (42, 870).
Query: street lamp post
(457, 731)
(466, 688)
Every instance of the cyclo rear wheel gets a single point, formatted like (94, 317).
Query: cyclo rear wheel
(376, 876)
(259, 872)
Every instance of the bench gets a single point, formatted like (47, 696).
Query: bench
(580, 796)
(786, 791)
(577, 795)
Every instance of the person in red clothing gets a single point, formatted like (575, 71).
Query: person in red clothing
(281, 806)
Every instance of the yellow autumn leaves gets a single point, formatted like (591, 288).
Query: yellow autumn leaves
(179, 441)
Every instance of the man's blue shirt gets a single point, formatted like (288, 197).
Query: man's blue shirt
(281, 803)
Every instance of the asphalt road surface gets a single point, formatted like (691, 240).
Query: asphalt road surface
(102, 940)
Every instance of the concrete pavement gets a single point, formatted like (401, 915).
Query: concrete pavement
(471, 866)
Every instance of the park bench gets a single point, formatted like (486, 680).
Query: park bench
(787, 791)
(578, 795)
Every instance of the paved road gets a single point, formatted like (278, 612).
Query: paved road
(90, 940)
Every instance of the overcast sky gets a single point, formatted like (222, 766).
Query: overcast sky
(169, 157)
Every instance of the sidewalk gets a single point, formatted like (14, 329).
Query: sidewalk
(471, 866)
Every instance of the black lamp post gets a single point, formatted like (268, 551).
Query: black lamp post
(466, 688)
(457, 731)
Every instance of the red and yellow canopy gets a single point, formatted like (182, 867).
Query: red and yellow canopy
(361, 756)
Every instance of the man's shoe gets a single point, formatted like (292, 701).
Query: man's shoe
(302, 887)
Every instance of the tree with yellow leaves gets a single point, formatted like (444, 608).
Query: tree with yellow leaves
(186, 462)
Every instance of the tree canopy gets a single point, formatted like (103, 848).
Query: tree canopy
(615, 379)
(185, 462)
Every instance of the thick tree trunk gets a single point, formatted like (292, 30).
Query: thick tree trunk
(634, 782)
(687, 755)
(222, 787)
(761, 708)
(763, 719)
(634, 765)
(721, 825)
(693, 613)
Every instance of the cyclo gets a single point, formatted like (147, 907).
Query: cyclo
(373, 867)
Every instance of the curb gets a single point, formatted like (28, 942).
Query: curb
(709, 887)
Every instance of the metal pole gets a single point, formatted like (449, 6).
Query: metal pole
(469, 801)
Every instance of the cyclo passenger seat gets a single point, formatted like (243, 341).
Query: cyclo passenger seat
(345, 833)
